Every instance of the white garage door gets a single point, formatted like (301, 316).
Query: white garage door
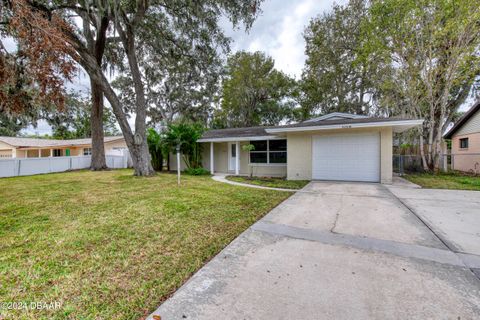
(352, 157)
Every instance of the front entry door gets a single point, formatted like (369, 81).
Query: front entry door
(232, 156)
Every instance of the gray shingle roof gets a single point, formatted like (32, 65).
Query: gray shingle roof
(338, 122)
(236, 132)
(42, 143)
(260, 131)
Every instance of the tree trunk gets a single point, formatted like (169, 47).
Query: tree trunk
(142, 162)
(422, 152)
(142, 157)
(96, 118)
(136, 143)
(97, 47)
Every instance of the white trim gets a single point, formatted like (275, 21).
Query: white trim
(237, 158)
(231, 167)
(233, 139)
(348, 126)
(267, 164)
(212, 158)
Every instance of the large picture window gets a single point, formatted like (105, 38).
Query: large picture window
(269, 151)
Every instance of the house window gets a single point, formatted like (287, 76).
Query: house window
(464, 143)
(57, 152)
(87, 151)
(269, 151)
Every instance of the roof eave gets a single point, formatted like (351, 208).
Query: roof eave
(401, 125)
(233, 138)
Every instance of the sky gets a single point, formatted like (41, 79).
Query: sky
(278, 31)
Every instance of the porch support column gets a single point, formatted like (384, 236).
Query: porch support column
(39, 153)
(237, 158)
(212, 166)
(51, 153)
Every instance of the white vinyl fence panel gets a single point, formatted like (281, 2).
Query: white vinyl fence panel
(13, 167)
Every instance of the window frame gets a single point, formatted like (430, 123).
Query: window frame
(460, 143)
(88, 154)
(57, 153)
(268, 163)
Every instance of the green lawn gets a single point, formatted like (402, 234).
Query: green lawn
(108, 245)
(445, 181)
(270, 182)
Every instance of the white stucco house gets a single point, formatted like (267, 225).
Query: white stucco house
(337, 146)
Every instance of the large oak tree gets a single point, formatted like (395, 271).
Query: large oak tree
(130, 19)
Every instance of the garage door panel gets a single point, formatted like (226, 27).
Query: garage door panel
(346, 157)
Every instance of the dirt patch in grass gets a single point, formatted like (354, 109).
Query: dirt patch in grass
(270, 182)
(108, 245)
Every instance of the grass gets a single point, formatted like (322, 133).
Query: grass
(270, 182)
(108, 245)
(456, 181)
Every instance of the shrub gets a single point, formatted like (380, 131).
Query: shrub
(196, 171)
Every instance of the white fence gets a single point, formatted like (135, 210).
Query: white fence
(29, 166)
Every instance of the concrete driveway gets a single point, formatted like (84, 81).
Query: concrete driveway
(345, 251)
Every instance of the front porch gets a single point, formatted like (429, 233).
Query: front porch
(230, 157)
(50, 152)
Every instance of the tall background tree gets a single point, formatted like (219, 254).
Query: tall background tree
(336, 76)
(254, 92)
(198, 22)
(434, 49)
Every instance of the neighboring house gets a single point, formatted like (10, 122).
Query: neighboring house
(13, 147)
(336, 146)
(465, 135)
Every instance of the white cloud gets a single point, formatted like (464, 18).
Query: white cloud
(278, 31)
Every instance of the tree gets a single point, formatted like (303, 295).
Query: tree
(254, 92)
(11, 126)
(128, 20)
(155, 146)
(336, 76)
(33, 75)
(434, 48)
(74, 122)
(185, 135)
(182, 82)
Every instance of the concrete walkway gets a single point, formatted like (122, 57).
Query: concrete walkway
(222, 178)
(334, 251)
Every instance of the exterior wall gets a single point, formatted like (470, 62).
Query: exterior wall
(5, 153)
(471, 126)
(45, 153)
(75, 151)
(110, 146)
(173, 162)
(299, 153)
(6, 150)
(20, 153)
(467, 159)
(386, 155)
(33, 153)
(299, 156)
